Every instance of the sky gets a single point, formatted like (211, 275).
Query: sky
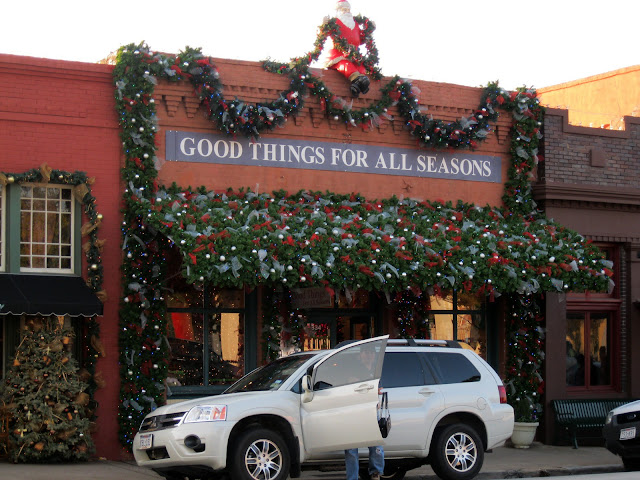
(537, 44)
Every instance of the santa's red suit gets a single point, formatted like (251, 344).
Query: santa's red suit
(349, 31)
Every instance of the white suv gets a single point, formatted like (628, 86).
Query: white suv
(448, 406)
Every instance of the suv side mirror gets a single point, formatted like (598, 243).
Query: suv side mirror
(307, 389)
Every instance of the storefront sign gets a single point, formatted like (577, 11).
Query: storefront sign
(338, 157)
(310, 298)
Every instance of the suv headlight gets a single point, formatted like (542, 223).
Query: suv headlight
(206, 413)
(609, 418)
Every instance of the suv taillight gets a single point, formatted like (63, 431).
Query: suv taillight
(503, 393)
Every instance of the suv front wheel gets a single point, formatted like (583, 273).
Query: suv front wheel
(457, 453)
(260, 454)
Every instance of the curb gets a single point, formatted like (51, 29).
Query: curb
(552, 472)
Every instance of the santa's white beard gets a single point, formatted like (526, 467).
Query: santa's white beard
(347, 19)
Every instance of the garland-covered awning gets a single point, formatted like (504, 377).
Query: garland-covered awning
(242, 238)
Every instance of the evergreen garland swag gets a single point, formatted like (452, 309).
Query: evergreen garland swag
(525, 354)
(238, 238)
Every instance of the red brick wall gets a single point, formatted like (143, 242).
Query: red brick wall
(177, 110)
(63, 114)
(590, 156)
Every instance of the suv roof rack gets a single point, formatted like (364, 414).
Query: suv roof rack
(413, 342)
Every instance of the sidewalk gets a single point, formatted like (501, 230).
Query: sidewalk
(537, 461)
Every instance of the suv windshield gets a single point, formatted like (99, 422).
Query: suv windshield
(270, 376)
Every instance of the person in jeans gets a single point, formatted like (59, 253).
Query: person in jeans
(376, 454)
(376, 463)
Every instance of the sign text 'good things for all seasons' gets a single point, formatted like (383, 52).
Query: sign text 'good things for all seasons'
(338, 157)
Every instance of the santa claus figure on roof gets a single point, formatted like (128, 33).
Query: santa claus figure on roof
(350, 32)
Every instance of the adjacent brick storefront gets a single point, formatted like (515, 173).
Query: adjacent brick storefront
(589, 182)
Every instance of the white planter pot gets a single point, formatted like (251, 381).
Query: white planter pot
(523, 434)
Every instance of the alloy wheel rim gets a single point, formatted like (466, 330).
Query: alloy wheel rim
(461, 452)
(263, 460)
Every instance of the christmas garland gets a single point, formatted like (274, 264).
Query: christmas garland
(525, 353)
(338, 241)
(331, 29)
(92, 248)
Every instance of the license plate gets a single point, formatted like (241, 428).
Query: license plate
(628, 433)
(146, 441)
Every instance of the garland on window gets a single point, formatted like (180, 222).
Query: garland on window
(340, 241)
(92, 249)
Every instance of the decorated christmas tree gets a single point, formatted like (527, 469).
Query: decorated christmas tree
(46, 397)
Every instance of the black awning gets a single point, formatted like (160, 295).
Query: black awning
(47, 295)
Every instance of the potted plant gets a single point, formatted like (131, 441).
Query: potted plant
(526, 412)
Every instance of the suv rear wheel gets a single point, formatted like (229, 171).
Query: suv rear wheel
(457, 453)
(260, 454)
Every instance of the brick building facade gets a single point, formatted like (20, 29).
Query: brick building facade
(62, 115)
(589, 182)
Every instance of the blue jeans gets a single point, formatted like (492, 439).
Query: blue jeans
(376, 462)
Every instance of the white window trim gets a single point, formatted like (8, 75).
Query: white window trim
(73, 239)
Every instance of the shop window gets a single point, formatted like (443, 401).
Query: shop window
(588, 349)
(593, 335)
(206, 336)
(46, 228)
(459, 316)
(318, 334)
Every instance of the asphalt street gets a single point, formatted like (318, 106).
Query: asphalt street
(504, 462)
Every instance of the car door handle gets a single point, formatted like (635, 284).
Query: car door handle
(426, 391)
(363, 388)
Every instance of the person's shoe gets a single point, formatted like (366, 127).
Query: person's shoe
(355, 90)
(375, 476)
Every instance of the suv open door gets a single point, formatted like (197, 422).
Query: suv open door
(339, 403)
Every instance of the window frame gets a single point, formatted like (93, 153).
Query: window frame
(614, 346)
(490, 328)
(73, 230)
(609, 303)
(208, 311)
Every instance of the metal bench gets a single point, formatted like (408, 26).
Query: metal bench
(583, 417)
